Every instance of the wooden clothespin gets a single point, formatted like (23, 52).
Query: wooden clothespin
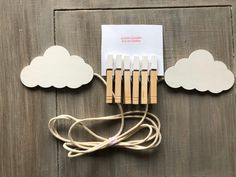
(109, 73)
(153, 81)
(135, 80)
(127, 80)
(144, 80)
(118, 78)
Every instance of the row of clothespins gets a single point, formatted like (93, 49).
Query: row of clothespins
(134, 82)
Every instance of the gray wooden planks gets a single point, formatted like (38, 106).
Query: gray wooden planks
(205, 143)
(195, 140)
(26, 147)
(104, 4)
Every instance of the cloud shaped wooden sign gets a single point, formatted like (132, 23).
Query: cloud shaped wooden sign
(201, 72)
(57, 68)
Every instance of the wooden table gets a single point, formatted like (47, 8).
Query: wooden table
(199, 129)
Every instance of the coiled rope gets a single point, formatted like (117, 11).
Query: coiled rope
(76, 148)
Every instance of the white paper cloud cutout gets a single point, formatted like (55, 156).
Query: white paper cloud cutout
(56, 68)
(200, 72)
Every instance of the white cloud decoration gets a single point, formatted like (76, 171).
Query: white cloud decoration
(200, 72)
(56, 68)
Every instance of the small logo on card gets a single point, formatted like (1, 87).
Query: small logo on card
(131, 39)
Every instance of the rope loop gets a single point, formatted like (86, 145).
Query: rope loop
(122, 139)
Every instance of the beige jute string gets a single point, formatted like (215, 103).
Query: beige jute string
(122, 139)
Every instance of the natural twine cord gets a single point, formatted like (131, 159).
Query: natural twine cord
(120, 139)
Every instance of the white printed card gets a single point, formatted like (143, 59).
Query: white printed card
(132, 40)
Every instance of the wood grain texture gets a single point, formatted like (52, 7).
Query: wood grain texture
(109, 87)
(153, 87)
(127, 87)
(103, 4)
(26, 147)
(198, 130)
(118, 85)
(144, 87)
(135, 87)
